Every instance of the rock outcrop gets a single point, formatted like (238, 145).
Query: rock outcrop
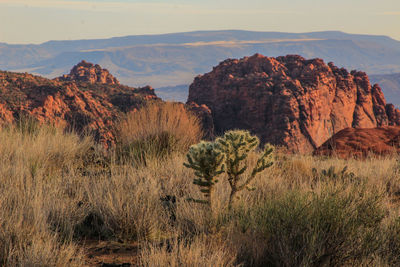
(359, 143)
(78, 103)
(205, 117)
(289, 100)
(88, 72)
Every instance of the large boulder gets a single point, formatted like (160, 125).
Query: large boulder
(361, 142)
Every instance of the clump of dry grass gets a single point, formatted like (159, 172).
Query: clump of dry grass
(156, 130)
(202, 251)
(45, 149)
(49, 202)
(32, 165)
(129, 204)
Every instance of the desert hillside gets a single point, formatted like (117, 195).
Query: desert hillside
(89, 99)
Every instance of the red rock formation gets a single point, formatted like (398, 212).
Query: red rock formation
(289, 100)
(359, 143)
(82, 105)
(204, 114)
(88, 72)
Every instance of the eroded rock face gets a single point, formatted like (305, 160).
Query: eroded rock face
(289, 100)
(205, 117)
(88, 72)
(359, 143)
(80, 105)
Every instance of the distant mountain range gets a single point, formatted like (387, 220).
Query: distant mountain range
(174, 93)
(172, 60)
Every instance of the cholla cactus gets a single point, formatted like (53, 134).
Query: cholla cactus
(207, 161)
(331, 175)
(236, 145)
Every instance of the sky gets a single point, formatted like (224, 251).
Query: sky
(37, 21)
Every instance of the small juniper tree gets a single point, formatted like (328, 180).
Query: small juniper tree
(207, 161)
(236, 146)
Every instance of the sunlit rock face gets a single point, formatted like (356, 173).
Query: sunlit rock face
(290, 101)
(89, 100)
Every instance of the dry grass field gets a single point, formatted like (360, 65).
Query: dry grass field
(64, 201)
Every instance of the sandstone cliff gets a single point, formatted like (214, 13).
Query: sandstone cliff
(205, 117)
(289, 100)
(85, 103)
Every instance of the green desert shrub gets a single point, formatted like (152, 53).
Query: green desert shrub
(329, 228)
(157, 130)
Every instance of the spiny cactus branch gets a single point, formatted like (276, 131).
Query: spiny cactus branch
(236, 145)
(207, 162)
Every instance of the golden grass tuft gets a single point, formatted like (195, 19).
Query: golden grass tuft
(203, 251)
(32, 165)
(158, 129)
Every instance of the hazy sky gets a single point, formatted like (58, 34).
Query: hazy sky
(36, 21)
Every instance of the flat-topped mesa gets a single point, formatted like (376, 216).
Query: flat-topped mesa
(88, 72)
(290, 101)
